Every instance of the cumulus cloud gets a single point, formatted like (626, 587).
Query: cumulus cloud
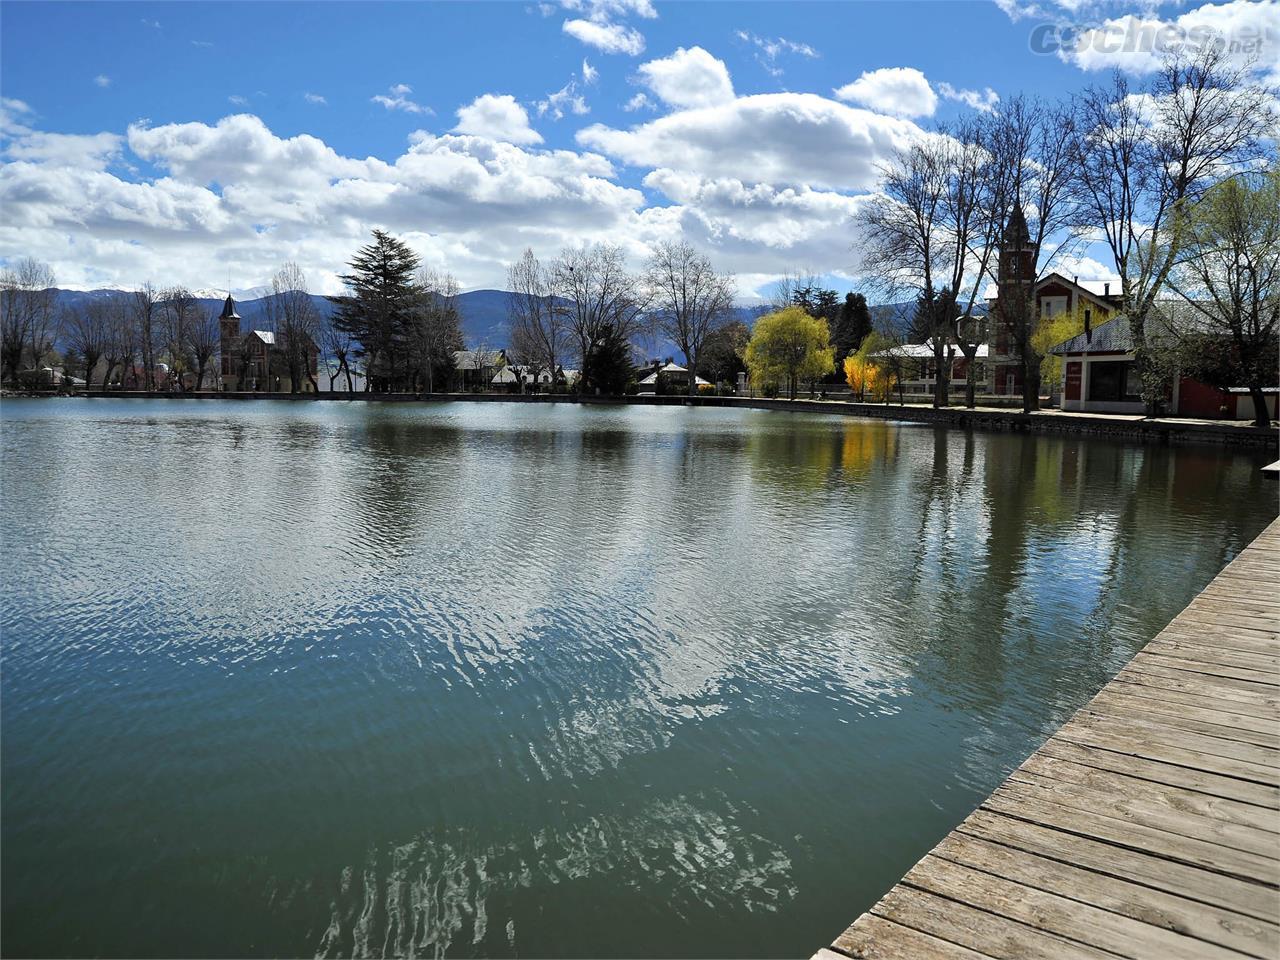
(397, 98)
(566, 99)
(782, 138)
(589, 73)
(498, 117)
(900, 91)
(688, 78)
(605, 36)
(1249, 30)
(983, 101)
(315, 98)
(769, 50)
(102, 80)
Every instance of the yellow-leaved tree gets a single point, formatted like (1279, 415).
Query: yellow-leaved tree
(1050, 332)
(789, 347)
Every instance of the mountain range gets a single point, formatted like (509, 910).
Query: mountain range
(484, 313)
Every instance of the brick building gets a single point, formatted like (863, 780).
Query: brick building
(257, 359)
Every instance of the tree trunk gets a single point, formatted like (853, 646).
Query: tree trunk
(1261, 417)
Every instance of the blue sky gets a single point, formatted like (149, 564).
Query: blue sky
(192, 142)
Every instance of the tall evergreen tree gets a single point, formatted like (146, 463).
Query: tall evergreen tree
(379, 310)
(851, 326)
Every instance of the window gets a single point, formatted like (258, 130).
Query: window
(1114, 381)
(1052, 306)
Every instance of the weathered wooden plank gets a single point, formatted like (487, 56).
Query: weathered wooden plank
(1156, 688)
(1270, 705)
(1247, 674)
(1199, 781)
(1225, 621)
(1123, 706)
(1137, 729)
(1158, 816)
(1178, 917)
(1223, 639)
(1091, 732)
(1178, 644)
(1015, 800)
(1219, 686)
(977, 929)
(1071, 919)
(1135, 866)
(875, 938)
(1157, 795)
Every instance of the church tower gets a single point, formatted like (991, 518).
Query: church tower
(1017, 258)
(228, 341)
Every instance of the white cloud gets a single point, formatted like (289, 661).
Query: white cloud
(315, 98)
(768, 50)
(900, 91)
(605, 36)
(608, 9)
(688, 78)
(589, 73)
(89, 151)
(565, 99)
(238, 100)
(497, 117)
(397, 98)
(102, 80)
(983, 101)
(780, 138)
(639, 101)
(1249, 29)
(204, 44)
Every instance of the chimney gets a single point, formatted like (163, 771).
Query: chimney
(1076, 280)
(1106, 289)
(1088, 327)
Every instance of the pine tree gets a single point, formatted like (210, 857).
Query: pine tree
(379, 310)
(851, 326)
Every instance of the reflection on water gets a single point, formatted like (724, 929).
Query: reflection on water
(351, 679)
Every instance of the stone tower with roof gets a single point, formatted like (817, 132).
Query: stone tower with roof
(228, 338)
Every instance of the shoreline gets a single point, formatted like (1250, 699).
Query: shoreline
(1137, 428)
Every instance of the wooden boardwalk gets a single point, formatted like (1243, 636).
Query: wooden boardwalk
(1148, 826)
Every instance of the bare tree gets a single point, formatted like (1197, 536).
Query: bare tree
(293, 317)
(179, 312)
(204, 339)
(602, 305)
(1141, 160)
(1034, 146)
(538, 332)
(782, 292)
(122, 342)
(145, 310)
(689, 299)
(434, 328)
(338, 347)
(28, 314)
(87, 330)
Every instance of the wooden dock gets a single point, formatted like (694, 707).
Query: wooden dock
(1148, 826)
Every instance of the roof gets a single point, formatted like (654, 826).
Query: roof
(924, 351)
(470, 359)
(266, 336)
(1015, 231)
(229, 310)
(669, 368)
(1100, 290)
(1115, 336)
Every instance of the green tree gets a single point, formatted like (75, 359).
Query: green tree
(1229, 274)
(1049, 332)
(851, 325)
(379, 310)
(788, 347)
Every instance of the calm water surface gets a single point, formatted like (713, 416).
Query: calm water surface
(464, 679)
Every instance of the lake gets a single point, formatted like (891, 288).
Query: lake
(542, 680)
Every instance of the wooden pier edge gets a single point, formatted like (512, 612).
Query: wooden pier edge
(1147, 826)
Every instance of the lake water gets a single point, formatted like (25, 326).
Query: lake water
(330, 679)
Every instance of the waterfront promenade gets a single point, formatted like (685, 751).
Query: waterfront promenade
(1148, 826)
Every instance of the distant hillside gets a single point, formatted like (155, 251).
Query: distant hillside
(484, 314)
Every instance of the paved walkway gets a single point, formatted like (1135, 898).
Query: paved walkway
(1147, 827)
